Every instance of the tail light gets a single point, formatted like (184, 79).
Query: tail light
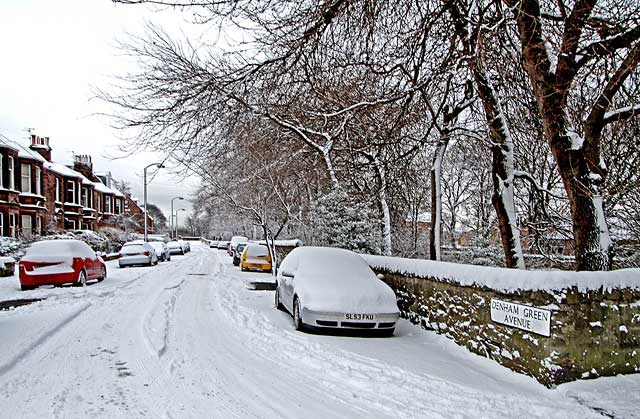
(146, 253)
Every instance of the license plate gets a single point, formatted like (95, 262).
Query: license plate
(356, 317)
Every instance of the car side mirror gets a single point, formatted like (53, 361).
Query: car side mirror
(287, 274)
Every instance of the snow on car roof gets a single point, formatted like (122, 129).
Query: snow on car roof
(55, 248)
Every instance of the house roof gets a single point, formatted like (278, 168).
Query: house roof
(23, 152)
(63, 170)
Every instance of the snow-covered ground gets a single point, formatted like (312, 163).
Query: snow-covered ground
(189, 339)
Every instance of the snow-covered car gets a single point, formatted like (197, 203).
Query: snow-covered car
(57, 262)
(162, 250)
(255, 257)
(137, 253)
(186, 246)
(234, 242)
(213, 244)
(223, 245)
(175, 248)
(334, 288)
(237, 253)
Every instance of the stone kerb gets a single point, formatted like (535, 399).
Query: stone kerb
(592, 333)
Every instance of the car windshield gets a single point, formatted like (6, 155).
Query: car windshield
(241, 247)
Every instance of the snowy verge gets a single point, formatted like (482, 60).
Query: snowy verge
(506, 280)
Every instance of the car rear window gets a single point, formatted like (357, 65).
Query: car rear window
(60, 248)
(257, 250)
(133, 249)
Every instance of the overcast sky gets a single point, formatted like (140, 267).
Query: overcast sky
(53, 52)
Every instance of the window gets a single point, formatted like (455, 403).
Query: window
(99, 208)
(38, 181)
(71, 189)
(26, 225)
(12, 180)
(107, 204)
(38, 225)
(118, 206)
(12, 225)
(85, 198)
(1, 224)
(72, 224)
(26, 178)
(1, 174)
(57, 190)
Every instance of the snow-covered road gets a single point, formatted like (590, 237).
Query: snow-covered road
(188, 339)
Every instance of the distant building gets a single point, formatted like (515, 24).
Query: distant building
(38, 195)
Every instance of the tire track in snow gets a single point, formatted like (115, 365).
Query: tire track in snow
(8, 366)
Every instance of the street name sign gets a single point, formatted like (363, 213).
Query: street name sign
(531, 319)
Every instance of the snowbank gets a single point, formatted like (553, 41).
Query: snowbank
(507, 280)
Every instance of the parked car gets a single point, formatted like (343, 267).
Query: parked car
(334, 288)
(237, 253)
(223, 245)
(234, 242)
(175, 248)
(57, 262)
(186, 246)
(255, 257)
(162, 250)
(137, 253)
(213, 244)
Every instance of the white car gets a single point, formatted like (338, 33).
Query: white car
(175, 248)
(137, 253)
(234, 242)
(334, 288)
(162, 250)
(186, 246)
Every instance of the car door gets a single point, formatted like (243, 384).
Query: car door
(286, 277)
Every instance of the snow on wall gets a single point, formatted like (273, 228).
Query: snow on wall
(507, 280)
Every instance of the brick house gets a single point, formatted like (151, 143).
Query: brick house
(38, 195)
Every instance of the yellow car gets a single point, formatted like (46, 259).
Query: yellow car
(255, 257)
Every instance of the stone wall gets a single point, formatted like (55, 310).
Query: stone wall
(593, 333)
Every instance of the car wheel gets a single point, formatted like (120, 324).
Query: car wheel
(297, 318)
(82, 279)
(103, 274)
(26, 288)
(279, 305)
(243, 269)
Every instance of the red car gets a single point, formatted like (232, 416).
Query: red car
(57, 262)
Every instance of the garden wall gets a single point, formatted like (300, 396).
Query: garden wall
(593, 317)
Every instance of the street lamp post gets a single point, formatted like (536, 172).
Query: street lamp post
(160, 166)
(177, 211)
(173, 199)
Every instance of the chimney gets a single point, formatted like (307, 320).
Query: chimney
(82, 163)
(41, 146)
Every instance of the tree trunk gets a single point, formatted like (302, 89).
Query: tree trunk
(502, 172)
(435, 234)
(593, 246)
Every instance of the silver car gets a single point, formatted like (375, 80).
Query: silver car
(137, 253)
(334, 288)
